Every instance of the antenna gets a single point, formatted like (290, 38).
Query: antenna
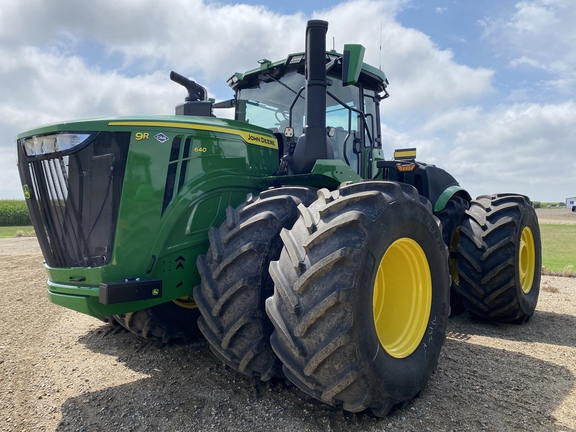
(333, 43)
(380, 61)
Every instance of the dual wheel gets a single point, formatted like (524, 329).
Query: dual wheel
(495, 256)
(357, 302)
(499, 258)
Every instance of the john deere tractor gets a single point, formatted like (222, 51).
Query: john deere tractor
(283, 236)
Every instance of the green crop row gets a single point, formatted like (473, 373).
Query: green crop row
(14, 213)
(540, 204)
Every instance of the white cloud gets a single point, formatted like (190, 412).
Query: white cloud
(539, 34)
(207, 40)
(42, 88)
(523, 148)
(66, 59)
(423, 78)
(195, 36)
(51, 88)
(534, 17)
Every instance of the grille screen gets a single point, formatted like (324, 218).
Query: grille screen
(75, 198)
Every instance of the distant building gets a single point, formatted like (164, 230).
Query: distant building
(571, 203)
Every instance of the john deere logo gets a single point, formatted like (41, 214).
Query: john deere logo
(161, 137)
(26, 190)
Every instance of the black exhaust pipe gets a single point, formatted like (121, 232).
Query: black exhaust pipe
(313, 144)
(316, 83)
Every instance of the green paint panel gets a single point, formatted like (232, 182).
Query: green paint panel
(353, 56)
(178, 182)
(336, 169)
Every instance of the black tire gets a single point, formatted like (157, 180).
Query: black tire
(172, 321)
(573, 209)
(451, 217)
(500, 258)
(329, 283)
(109, 319)
(235, 279)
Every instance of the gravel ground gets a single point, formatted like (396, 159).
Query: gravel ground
(65, 371)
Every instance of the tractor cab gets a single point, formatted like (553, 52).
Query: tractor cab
(273, 96)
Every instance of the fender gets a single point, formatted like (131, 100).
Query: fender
(432, 182)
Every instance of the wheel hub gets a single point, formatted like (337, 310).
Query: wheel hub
(402, 298)
(526, 260)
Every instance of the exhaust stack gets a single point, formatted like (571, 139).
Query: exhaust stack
(313, 144)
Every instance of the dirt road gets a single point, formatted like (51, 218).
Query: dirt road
(560, 216)
(61, 370)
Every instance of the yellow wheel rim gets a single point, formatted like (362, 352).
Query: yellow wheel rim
(402, 298)
(526, 260)
(185, 302)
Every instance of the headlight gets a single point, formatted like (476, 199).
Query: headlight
(42, 145)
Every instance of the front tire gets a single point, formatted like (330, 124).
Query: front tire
(167, 322)
(360, 301)
(500, 258)
(235, 279)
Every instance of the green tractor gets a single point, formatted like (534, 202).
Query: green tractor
(283, 236)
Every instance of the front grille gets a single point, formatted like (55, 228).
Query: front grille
(74, 199)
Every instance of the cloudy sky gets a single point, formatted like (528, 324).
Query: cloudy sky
(486, 90)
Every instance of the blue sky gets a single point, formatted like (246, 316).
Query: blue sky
(483, 89)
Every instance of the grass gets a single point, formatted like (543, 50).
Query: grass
(16, 231)
(559, 248)
(558, 245)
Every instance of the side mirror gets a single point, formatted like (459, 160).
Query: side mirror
(352, 63)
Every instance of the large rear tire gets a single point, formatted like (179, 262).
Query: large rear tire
(235, 279)
(500, 258)
(360, 300)
(172, 321)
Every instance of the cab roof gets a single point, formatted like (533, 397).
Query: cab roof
(370, 76)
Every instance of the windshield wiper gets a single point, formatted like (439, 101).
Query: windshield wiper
(282, 84)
